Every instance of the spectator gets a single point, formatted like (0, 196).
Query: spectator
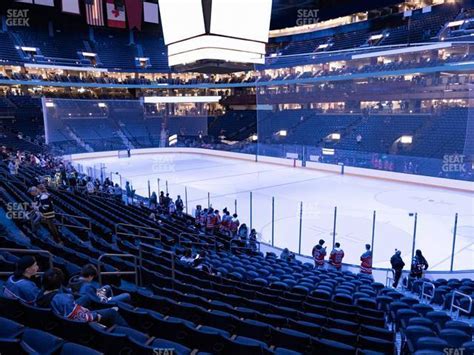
(20, 285)
(225, 223)
(318, 255)
(162, 200)
(397, 266)
(197, 213)
(46, 208)
(234, 224)
(211, 221)
(84, 284)
(187, 258)
(52, 283)
(336, 256)
(253, 240)
(117, 192)
(12, 167)
(366, 261)
(418, 265)
(129, 191)
(65, 305)
(153, 200)
(287, 255)
(167, 201)
(90, 188)
(243, 232)
(171, 207)
(179, 205)
(319, 252)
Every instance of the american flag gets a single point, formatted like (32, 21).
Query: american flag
(94, 12)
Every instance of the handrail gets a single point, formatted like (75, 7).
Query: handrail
(459, 308)
(135, 226)
(424, 295)
(28, 251)
(63, 215)
(388, 279)
(100, 273)
(235, 239)
(196, 236)
(140, 253)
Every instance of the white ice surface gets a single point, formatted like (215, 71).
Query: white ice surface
(356, 198)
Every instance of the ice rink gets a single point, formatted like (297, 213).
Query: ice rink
(230, 180)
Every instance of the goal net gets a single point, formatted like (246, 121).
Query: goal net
(124, 153)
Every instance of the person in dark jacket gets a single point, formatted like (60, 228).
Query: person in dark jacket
(179, 205)
(87, 288)
(20, 285)
(418, 265)
(397, 266)
(153, 200)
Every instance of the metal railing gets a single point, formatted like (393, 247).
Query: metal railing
(63, 216)
(247, 247)
(154, 230)
(194, 239)
(28, 251)
(426, 296)
(141, 246)
(389, 276)
(459, 308)
(130, 256)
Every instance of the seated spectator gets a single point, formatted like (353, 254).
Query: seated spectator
(253, 240)
(243, 233)
(20, 285)
(64, 304)
(287, 255)
(84, 283)
(187, 259)
(200, 263)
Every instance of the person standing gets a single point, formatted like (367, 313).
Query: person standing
(46, 208)
(366, 261)
(336, 256)
(318, 255)
(179, 205)
(397, 266)
(234, 224)
(153, 200)
(418, 265)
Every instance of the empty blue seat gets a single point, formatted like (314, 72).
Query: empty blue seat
(76, 349)
(455, 338)
(431, 343)
(41, 342)
(9, 328)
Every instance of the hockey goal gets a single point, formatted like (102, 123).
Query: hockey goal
(124, 153)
